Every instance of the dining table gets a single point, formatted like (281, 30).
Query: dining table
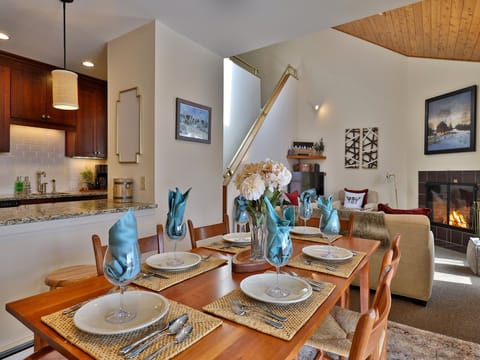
(230, 340)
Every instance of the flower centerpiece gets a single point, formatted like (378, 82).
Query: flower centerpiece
(256, 182)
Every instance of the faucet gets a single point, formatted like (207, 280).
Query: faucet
(41, 187)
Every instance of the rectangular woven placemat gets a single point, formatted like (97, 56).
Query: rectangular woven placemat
(105, 347)
(298, 314)
(315, 239)
(175, 277)
(226, 247)
(343, 269)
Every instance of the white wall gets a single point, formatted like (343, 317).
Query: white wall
(357, 84)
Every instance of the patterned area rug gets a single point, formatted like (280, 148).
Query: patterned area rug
(409, 343)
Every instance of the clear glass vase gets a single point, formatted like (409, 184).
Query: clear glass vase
(258, 235)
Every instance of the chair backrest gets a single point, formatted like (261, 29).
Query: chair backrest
(204, 232)
(146, 244)
(371, 344)
(346, 225)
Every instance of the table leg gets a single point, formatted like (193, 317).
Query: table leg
(364, 287)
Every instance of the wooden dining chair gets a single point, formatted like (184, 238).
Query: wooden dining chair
(346, 225)
(338, 332)
(206, 231)
(146, 244)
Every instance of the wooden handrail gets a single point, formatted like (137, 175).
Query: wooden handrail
(253, 131)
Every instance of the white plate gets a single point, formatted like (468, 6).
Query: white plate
(321, 251)
(150, 307)
(306, 230)
(256, 285)
(161, 261)
(238, 238)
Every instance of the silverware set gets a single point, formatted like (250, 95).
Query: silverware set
(315, 284)
(244, 310)
(327, 265)
(177, 327)
(239, 246)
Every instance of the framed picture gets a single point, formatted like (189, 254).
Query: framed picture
(450, 121)
(193, 122)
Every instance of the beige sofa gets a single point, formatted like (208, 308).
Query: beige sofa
(371, 205)
(414, 277)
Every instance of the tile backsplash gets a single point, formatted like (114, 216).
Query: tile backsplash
(33, 149)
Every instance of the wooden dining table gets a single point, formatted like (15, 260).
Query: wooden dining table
(230, 340)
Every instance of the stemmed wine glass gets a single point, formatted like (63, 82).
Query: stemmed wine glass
(120, 266)
(305, 211)
(279, 251)
(179, 229)
(330, 231)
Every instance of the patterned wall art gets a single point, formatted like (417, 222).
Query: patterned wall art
(361, 146)
(370, 148)
(352, 148)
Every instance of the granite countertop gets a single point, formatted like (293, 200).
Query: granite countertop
(24, 214)
(52, 195)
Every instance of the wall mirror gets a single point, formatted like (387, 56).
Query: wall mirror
(128, 126)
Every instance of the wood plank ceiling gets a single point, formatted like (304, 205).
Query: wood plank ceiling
(439, 29)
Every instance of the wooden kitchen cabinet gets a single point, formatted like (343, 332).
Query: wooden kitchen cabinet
(4, 108)
(90, 137)
(31, 98)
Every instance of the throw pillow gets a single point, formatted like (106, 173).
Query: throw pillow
(293, 197)
(364, 191)
(353, 200)
(416, 211)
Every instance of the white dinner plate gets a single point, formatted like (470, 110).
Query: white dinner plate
(306, 230)
(162, 261)
(255, 286)
(149, 306)
(238, 238)
(321, 252)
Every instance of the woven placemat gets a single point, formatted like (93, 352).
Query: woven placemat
(226, 247)
(105, 347)
(297, 314)
(343, 269)
(175, 277)
(315, 239)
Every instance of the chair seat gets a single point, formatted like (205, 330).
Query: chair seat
(336, 332)
(70, 275)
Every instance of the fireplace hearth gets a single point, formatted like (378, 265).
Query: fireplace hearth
(452, 196)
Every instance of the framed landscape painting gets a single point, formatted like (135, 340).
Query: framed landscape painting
(450, 121)
(193, 122)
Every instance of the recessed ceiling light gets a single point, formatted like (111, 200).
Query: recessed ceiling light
(88, 63)
(4, 36)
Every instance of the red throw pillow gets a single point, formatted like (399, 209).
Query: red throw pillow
(416, 211)
(293, 197)
(359, 192)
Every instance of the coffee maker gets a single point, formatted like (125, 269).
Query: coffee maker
(101, 177)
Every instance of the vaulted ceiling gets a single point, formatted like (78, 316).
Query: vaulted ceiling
(439, 29)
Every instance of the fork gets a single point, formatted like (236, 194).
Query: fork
(315, 284)
(257, 308)
(330, 267)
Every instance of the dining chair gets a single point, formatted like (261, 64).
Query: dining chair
(151, 243)
(206, 231)
(46, 353)
(338, 332)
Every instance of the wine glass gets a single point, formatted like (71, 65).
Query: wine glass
(279, 251)
(305, 211)
(120, 266)
(179, 229)
(330, 231)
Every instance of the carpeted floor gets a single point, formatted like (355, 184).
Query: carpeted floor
(447, 327)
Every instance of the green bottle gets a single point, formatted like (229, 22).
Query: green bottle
(18, 186)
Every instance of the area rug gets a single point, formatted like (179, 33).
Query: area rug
(409, 343)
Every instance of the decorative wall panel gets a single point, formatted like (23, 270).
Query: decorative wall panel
(352, 148)
(370, 148)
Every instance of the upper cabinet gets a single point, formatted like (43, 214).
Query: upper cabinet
(31, 98)
(4, 108)
(90, 136)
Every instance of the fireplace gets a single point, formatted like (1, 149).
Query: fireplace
(454, 191)
(452, 204)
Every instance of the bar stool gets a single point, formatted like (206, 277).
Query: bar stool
(69, 275)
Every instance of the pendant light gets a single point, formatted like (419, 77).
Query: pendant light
(64, 82)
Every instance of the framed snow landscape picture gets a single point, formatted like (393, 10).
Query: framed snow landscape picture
(192, 122)
(450, 121)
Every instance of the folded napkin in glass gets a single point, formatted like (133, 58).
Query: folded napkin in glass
(122, 237)
(177, 202)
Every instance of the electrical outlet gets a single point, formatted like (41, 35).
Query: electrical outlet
(142, 182)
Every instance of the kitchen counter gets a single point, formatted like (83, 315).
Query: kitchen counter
(24, 214)
(36, 198)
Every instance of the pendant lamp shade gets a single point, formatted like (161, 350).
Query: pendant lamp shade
(64, 82)
(65, 92)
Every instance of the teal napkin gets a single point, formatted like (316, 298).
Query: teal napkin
(241, 209)
(330, 221)
(177, 202)
(289, 214)
(279, 244)
(122, 236)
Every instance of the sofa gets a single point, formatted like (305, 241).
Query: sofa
(414, 278)
(370, 202)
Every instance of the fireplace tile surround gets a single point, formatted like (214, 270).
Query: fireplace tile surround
(450, 238)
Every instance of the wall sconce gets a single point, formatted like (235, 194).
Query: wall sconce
(316, 107)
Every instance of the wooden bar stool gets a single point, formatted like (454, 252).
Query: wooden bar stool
(69, 275)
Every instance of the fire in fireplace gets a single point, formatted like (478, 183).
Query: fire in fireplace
(452, 204)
